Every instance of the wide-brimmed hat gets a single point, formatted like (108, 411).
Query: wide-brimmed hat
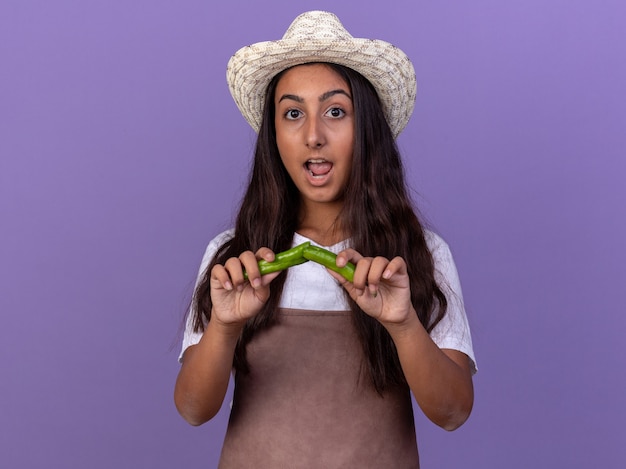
(319, 36)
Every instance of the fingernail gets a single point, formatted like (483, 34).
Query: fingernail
(228, 286)
(387, 274)
(256, 283)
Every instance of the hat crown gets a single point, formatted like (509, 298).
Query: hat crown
(319, 36)
(321, 25)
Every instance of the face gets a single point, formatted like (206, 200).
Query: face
(315, 131)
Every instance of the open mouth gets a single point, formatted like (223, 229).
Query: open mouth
(318, 167)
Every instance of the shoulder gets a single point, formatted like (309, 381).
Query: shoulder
(446, 272)
(213, 246)
(437, 246)
(433, 240)
(219, 240)
(453, 331)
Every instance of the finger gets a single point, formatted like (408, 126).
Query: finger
(377, 267)
(346, 284)
(361, 274)
(267, 278)
(397, 265)
(266, 254)
(341, 280)
(219, 274)
(348, 255)
(235, 272)
(250, 264)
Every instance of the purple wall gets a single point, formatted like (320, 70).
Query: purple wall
(122, 154)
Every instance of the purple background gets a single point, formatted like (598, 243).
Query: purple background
(122, 154)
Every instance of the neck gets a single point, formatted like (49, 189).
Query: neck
(319, 222)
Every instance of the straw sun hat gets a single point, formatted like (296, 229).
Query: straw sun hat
(319, 36)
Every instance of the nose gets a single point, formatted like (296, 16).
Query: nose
(314, 137)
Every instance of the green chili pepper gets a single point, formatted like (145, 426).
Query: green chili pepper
(303, 253)
(283, 260)
(329, 259)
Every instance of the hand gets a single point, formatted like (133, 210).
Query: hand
(235, 299)
(380, 287)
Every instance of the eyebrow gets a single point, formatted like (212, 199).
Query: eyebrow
(322, 98)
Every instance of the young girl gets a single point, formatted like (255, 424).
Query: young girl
(323, 367)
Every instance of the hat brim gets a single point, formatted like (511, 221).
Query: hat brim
(385, 66)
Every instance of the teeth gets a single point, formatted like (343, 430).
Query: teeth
(316, 161)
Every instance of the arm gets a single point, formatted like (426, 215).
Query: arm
(204, 375)
(205, 372)
(440, 379)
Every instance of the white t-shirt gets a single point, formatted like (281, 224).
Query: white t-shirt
(305, 281)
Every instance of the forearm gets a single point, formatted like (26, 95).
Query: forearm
(440, 380)
(205, 373)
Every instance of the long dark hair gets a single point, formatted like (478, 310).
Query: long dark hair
(377, 214)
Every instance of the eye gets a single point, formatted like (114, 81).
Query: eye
(293, 114)
(336, 112)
